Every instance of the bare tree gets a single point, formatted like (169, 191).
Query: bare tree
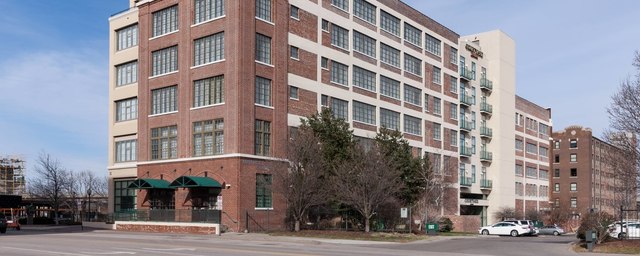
(432, 173)
(304, 182)
(560, 216)
(49, 182)
(366, 182)
(623, 163)
(506, 213)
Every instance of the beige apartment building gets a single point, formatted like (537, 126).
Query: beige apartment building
(204, 93)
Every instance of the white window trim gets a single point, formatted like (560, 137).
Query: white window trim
(162, 114)
(365, 123)
(365, 89)
(340, 47)
(411, 43)
(365, 54)
(264, 106)
(172, 32)
(340, 8)
(356, 16)
(264, 63)
(390, 33)
(209, 20)
(207, 106)
(343, 85)
(412, 73)
(165, 74)
(382, 61)
(208, 63)
(266, 21)
(264, 208)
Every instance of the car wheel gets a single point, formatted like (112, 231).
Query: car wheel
(3, 230)
(485, 232)
(556, 233)
(514, 233)
(622, 235)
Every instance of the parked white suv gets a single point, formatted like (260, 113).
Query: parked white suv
(527, 224)
(628, 230)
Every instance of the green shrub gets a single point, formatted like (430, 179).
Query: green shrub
(445, 224)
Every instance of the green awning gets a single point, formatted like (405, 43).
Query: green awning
(195, 182)
(149, 183)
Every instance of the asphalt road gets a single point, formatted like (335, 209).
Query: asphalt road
(72, 241)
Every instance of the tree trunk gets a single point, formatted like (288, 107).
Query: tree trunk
(366, 225)
(297, 226)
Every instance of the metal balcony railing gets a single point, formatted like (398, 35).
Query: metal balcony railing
(485, 183)
(466, 125)
(465, 181)
(466, 100)
(486, 131)
(466, 151)
(486, 155)
(466, 73)
(486, 107)
(486, 84)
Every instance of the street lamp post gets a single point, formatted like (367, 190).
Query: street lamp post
(89, 204)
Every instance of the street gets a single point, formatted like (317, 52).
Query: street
(75, 242)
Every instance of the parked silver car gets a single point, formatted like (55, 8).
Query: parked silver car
(551, 230)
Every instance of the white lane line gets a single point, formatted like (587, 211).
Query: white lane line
(169, 249)
(108, 253)
(45, 252)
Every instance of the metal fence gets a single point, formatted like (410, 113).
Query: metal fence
(628, 226)
(168, 215)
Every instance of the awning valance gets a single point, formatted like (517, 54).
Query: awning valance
(195, 182)
(149, 184)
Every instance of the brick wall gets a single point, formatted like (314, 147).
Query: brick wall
(465, 223)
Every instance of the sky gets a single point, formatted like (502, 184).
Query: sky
(571, 57)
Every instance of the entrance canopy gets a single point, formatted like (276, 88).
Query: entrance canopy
(195, 182)
(149, 184)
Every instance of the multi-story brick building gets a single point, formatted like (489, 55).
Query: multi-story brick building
(205, 91)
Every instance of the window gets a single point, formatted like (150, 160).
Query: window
(412, 35)
(544, 152)
(206, 10)
(453, 56)
(127, 73)
(437, 106)
(165, 21)
(294, 51)
(389, 23)
(293, 92)
(340, 108)
(389, 119)
(364, 113)
(125, 151)
(324, 63)
(544, 191)
(263, 191)
(454, 111)
(342, 4)
(519, 170)
(432, 45)
(556, 144)
(574, 202)
(263, 48)
(364, 10)
(556, 187)
(263, 10)
(519, 188)
(163, 100)
(454, 84)
(544, 174)
(437, 75)
(437, 131)
(295, 12)
(389, 55)
(263, 138)
(573, 186)
(574, 172)
(573, 143)
(473, 173)
(127, 109)
(543, 129)
(325, 25)
(127, 37)
(573, 158)
(532, 149)
(556, 173)
(426, 103)
(339, 73)
(389, 87)
(454, 138)
(412, 125)
(164, 61)
(532, 172)
(519, 145)
(263, 91)
(123, 197)
(208, 137)
(412, 95)
(556, 202)
(556, 158)
(412, 65)
(364, 78)
(339, 37)
(208, 49)
(164, 142)
(208, 91)
(364, 44)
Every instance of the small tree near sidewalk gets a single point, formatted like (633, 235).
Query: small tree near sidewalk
(598, 221)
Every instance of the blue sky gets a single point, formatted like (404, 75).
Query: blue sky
(54, 63)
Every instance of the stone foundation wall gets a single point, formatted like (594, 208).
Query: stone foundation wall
(180, 228)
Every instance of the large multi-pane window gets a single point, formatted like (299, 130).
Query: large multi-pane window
(364, 44)
(389, 55)
(208, 137)
(126, 109)
(263, 10)
(263, 91)
(342, 4)
(164, 100)
(124, 199)
(125, 151)
(453, 140)
(164, 61)
(532, 148)
(573, 186)
(519, 144)
(412, 125)
(432, 45)
(164, 142)
(412, 95)
(437, 106)
(263, 191)
(544, 174)
(519, 170)
(208, 49)
(127, 73)
(437, 75)
(339, 73)
(165, 21)
(389, 87)
(263, 48)
(412, 34)
(339, 37)
(412, 65)
(437, 131)
(453, 111)
(364, 78)
(207, 10)
(263, 138)
(453, 56)
(574, 202)
(544, 152)
(364, 10)
(389, 23)
(363, 112)
(208, 91)
(454, 84)
(389, 119)
(340, 108)
(532, 172)
(127, 37)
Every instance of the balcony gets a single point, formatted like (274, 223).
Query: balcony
(466, 151)
(466, 73)
(465, 181)
(486, 84)
(486, 184)
(486, 132)
(486, 156)
(466, 125)
(486, 108)
(466, 100)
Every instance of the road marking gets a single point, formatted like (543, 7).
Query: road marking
(109, 253)
(45, 252)
(169, 249)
